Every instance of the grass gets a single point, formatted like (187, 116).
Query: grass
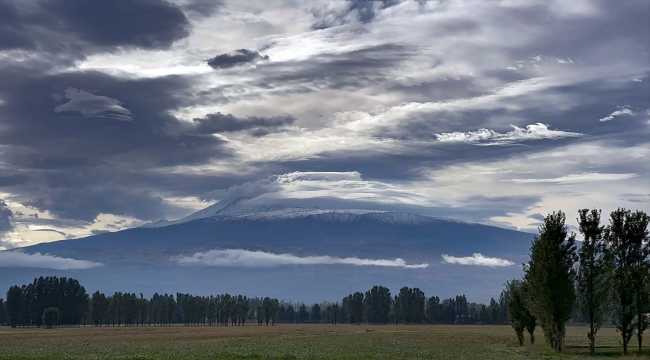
(296, 342)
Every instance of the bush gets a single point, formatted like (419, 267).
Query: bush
(51, 317)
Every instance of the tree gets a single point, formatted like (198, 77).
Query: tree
(627, 237)
(267, 305)
(592, 273)
(551, 277)
(15, 305)
(640, 239)
(259, 313)
(334, 313)
(433, 308)
(518, 315)
(303, 315)
(355, 307)
(51, 317)
(378, 302)
(290, 314)
(3, 312)
(315, 313)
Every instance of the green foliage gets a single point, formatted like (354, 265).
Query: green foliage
(519, 316)
(377, 302)
(593, 273)
(51, 317)
(550, 295)
(411, 302)
(627, 236)
(15, 305)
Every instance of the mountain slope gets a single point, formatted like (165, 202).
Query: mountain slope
(142, 259)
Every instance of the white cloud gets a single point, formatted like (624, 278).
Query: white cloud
(622, 110)
(91, 105)
(43, 261)
(537, 131)
(477, 259)
(576, 178)
(637, 80)
(244, 258)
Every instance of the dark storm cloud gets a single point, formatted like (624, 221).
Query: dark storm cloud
(76, 26)
(236, 58)
(11, 180)
(82, 163)
(85, 204)
(223, 123)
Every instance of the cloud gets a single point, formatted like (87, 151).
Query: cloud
(224, 123)
(622, 110)
(537, 131)
(577, 178)
(536, 216)
(20, 259)
(477, 260)
(6, 215)
(244, 258)
(237, 58)
(64, 26)
(91, 105)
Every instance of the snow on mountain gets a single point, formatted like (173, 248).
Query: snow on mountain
(237, 210)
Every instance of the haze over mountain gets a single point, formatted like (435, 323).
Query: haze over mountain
(136, 134)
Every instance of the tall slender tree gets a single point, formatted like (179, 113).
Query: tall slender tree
(627, 237)
(550, 274)
(637, 230)
(593, 291)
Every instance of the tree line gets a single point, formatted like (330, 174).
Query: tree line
(604, 279)
(25, 306)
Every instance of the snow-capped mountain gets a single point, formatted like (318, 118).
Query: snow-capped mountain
(235, 210)
(291, 252)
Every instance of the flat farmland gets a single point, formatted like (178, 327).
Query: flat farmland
(295, 341)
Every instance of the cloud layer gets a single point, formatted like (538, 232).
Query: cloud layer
(245, 258)
(477, 260)
(116, 113)
(20, 259)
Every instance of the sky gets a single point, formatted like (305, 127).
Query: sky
(116, 114)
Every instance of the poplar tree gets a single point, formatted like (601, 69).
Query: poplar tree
(637, 230)
(518, 315)
(550, 295)
(593, 271)
(627, 237)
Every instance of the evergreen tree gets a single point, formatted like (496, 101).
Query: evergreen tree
(592, 273)
(550, 275)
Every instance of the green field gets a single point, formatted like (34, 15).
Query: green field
(294, 342)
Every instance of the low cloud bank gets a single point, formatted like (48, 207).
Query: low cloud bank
(245, 258)
(477, 259)
(42, 261)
